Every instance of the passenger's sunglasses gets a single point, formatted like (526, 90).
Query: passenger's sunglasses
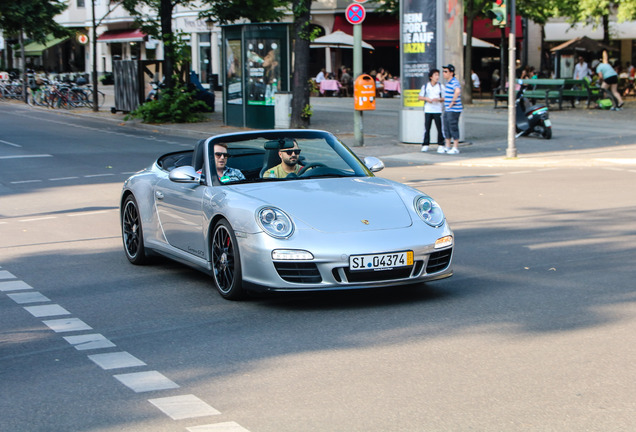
(290, 152)
(219, 155)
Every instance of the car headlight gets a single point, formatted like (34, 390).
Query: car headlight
(429, 211)
(275, 222)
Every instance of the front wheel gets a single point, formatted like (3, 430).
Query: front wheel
(226, 262)
(547, 132)
(132, 233)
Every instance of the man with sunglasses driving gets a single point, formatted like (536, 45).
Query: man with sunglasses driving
(225, 173)
(289, 157)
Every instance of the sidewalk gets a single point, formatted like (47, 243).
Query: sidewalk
(581, 137)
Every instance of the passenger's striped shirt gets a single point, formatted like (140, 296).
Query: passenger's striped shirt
(449, 91)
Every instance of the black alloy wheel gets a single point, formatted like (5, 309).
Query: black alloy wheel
(132, 232)
(226, 262)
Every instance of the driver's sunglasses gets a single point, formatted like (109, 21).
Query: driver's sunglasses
(219, 155)
(290, 152)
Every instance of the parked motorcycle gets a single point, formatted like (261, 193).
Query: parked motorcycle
(531, 120)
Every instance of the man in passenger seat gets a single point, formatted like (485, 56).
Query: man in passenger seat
(225, 173)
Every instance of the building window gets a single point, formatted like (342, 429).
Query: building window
(80, 3)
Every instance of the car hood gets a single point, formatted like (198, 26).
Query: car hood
(338, 205)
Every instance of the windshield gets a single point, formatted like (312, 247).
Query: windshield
(283, 156)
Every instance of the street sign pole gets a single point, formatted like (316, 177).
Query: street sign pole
(355, 14)
(358, 129)
(511, 151)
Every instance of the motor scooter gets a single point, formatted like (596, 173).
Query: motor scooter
(531, 120)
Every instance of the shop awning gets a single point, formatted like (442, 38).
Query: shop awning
(377, 30)
(130, 35)
(36, 48)
(556, 31)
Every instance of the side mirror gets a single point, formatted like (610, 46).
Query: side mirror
(185, 174)
(373, 163)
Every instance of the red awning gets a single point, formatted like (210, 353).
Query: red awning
(377, 30)
(122, 36)
(483, 29)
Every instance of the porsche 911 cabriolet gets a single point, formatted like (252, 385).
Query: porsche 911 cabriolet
(284, 210)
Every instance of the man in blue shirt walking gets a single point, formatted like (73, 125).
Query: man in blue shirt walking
(452, 110)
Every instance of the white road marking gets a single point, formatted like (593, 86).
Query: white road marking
(46, 310)
(25, 181)
(146, 381)
(89, 341)
(176, 407)
(14, 286)
(4, 274)
(90, 213)
(67, 325)
(28, 297)
(218, 427)
(99, 175)
(26, 156)
(183, 407)
(10, 143)
(63, 178)
(116, 360)
(37, 219)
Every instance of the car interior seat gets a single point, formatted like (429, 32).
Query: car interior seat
(198, 155)
(271, 158)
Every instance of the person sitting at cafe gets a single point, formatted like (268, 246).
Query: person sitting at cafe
(289, 155)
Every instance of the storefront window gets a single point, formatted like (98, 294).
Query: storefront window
(263, 56)
(234, 71)
(135, 50)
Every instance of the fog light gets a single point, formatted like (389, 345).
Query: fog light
(444, 242)
(291, 255)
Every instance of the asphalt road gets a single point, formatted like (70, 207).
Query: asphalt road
(534, 331)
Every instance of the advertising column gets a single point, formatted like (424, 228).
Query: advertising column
(419, 53)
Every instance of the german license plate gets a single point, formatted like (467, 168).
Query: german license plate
(384, 261)
(547, 123)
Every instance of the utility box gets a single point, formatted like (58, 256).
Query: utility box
(282, 110)
(364, 93)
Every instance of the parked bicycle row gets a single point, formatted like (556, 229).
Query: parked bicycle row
(53, 94)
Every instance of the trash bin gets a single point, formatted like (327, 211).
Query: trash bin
(364, 93)
(282, 110)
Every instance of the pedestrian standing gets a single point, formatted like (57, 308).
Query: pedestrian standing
(452, 110)
(432, 95)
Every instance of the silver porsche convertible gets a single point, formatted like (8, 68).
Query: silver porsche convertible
(330, 223)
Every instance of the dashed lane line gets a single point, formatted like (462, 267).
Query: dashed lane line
(179, 407)
(10, 143)
(26, 156)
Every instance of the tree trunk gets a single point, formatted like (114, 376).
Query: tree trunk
(606, 31)
(24, 71)
(94, 49)
(300, 77)
(165, 13)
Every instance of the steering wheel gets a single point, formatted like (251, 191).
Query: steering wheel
(304, 169)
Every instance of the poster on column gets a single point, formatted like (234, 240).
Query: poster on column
(418, 42)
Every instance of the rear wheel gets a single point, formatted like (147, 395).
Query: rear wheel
(132, 233)
(226, 262)
(547, 132)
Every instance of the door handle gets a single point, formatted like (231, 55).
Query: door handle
(159, 195)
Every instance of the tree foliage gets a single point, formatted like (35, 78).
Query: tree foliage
(32, 17)
(226, 12)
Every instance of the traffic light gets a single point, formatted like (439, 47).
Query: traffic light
(498, 13)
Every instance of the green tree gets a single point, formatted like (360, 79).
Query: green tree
(32, 19)
(154, 17)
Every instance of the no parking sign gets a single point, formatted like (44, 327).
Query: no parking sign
(355, 13)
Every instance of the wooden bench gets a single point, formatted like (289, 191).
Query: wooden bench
(537, 89)
(580, 89)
